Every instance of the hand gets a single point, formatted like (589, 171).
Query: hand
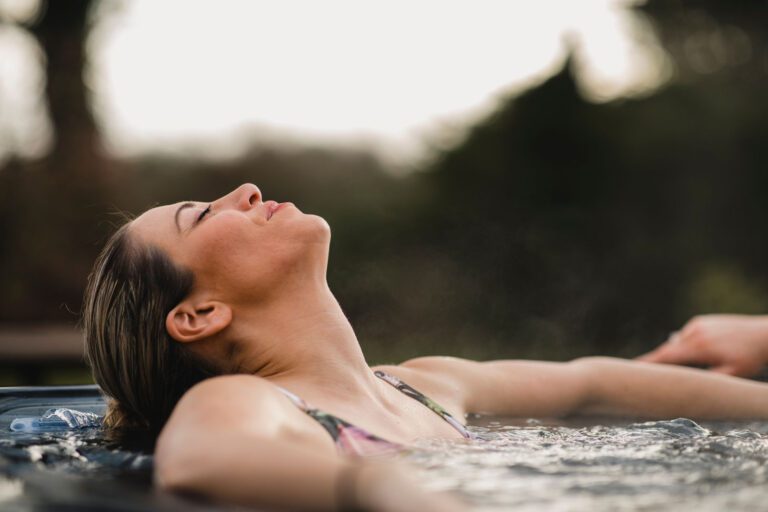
(730, 344)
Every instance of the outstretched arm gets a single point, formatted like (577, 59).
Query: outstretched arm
(594, 385)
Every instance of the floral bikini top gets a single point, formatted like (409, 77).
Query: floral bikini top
(352, 440)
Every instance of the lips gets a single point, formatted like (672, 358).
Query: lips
(272, 207)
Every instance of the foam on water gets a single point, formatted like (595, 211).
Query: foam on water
(659, 465)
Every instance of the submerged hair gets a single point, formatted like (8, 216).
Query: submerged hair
(142, 370)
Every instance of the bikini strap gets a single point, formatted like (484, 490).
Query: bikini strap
(421, 398)
(297, 400)
(348, 438)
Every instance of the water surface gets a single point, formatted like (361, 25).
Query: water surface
(577, 465)
(614, 466)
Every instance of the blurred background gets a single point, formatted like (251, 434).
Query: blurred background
(545, 179)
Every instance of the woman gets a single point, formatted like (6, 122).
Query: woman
(219, 316)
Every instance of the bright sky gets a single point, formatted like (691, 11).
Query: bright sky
(211, 78)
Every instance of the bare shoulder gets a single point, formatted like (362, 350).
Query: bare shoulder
(228, 402)
(438, 364)
(446, 370)
(434, 376)
(229, 393)
(242, 407)
(502, 386)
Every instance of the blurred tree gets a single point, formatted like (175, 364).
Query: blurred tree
(707, 36)
(48, 206)
(583, 228)
(557, 228)
(61, 31)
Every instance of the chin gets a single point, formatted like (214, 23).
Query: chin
(318, 228)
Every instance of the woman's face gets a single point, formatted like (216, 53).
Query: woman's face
(239, 247)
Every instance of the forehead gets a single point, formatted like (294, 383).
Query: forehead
(157, 225)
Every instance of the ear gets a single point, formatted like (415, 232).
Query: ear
(193, 321)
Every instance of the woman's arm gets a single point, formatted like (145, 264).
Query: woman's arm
(730, 344)
(235, 439)
(594, 385)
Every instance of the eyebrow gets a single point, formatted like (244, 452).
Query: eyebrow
(178, 212)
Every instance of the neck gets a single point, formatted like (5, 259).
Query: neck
(303, 338)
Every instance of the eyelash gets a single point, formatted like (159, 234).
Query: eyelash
(205, 212)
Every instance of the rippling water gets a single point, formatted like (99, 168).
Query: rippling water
(515, 465)
(658, 465)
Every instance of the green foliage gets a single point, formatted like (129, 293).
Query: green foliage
(723, 289)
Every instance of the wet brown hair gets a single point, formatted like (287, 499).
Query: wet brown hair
(142, 370)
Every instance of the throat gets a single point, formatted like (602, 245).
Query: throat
(311, 347)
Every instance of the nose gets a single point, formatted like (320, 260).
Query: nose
(243, 197)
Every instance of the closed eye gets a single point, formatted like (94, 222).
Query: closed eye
(203, 214)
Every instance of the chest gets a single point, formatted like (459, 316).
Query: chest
(404, 425)
(402, 419)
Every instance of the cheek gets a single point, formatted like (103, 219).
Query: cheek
(237, 257)
(211, 251)
(213, 246)
(232, 256)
